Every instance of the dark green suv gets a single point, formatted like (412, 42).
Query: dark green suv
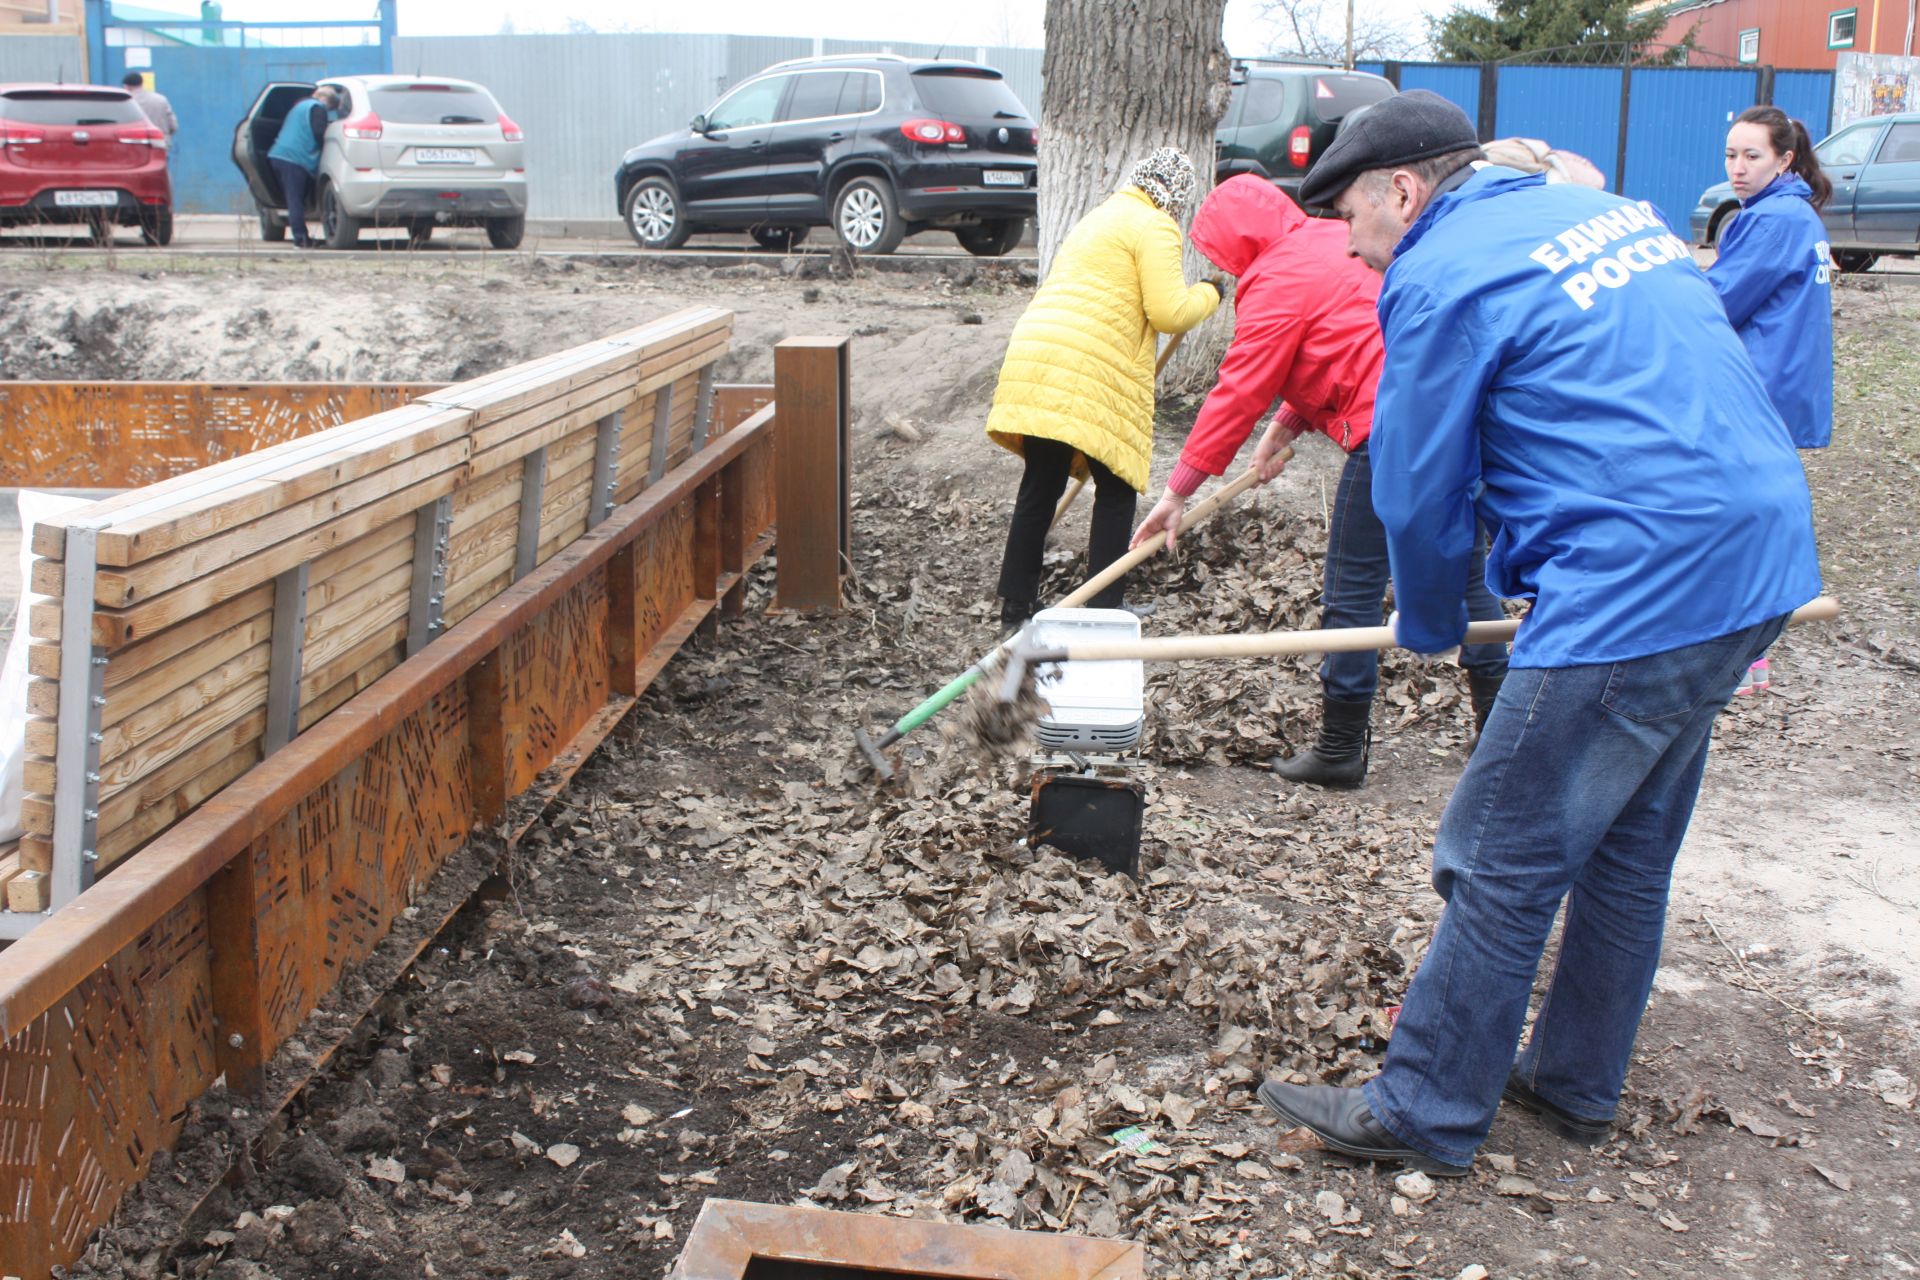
(1283, 115)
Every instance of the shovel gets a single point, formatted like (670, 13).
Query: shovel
(1203, 511)
(1023, 657)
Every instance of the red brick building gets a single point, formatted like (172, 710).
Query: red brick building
(1791, 33)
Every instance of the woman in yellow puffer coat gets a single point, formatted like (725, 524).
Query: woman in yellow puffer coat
(1078, 376)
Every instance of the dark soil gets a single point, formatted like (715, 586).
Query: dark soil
(724, 966)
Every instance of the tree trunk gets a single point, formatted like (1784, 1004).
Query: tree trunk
(1122, 77)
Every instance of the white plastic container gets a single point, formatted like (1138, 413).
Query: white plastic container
(1096, 707)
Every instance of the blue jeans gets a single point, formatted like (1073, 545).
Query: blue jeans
(1581, 789)
(1355, 587)
(293, 185)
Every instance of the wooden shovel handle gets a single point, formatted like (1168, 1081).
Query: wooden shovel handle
(1334, 640)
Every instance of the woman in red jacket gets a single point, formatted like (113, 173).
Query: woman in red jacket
(1306, 333)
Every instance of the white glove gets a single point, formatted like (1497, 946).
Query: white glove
(1393, 622)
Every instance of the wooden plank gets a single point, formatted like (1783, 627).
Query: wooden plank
(119, 588)
(187, 522)
(28, 891)
(350, 650)
(114, 629)
(135, 757)
(154, 667)
(157, 817)
(9, 864)
(518, 437)
(502, 394)
(286, 462)
(218, 647)
(350, 629)
(378, 662)
(123, 802)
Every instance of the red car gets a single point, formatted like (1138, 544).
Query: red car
(85, 154)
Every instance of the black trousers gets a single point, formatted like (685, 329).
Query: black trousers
(1049, 464)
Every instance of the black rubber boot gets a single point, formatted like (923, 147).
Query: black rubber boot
(1483, 690)
(1339, 758)
(1014, 614)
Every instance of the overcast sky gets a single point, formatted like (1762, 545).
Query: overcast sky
(1015, 22)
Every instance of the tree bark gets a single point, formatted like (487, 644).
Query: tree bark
(1121, 78)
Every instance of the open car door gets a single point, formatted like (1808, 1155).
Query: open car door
(255, 134)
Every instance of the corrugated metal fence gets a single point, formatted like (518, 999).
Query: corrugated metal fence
(585, 99)
(38, 57)
(1655, 132)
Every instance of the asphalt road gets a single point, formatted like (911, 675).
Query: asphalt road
(225, 235)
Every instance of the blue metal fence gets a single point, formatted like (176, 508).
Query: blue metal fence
(1459, 85)
(1677, 132)
(1575, 108)
(1807, 96)
(211, 72)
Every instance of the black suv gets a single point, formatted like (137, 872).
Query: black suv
(1282, 116)
(875, 146)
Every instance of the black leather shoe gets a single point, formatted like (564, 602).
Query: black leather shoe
(1588, 1133)
(1340, 1118)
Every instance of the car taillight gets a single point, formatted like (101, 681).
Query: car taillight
(144, 136)
(1300, 146)
(931, 133)
(509, 130)
(17, 137)
(1036, 139)
(362, 126)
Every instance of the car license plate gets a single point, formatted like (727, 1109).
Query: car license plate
(443, 155)
(85, 199)
(1004, 177)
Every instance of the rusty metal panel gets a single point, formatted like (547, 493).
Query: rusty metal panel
(121, 435)
(732, 1235)
(556, 679)
(94, 1086)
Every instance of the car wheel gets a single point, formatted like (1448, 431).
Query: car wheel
(866, 218)
(506, 233)
(342, 230)
(779, 239)
(654, 216)
(156, 228)
(271, 228)
(1854, 260)
(992, 239)
(1721, 221)
(419, 231)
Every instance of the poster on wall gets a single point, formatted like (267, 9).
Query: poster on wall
(1873, 84)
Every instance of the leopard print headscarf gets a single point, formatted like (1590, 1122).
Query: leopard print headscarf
(1167, 178)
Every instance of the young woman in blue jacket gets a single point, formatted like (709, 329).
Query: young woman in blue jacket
(1774, 274)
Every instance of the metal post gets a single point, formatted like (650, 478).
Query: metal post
(703, 410)
(76, 777)
(606, 468)
(1626, 114)
(662, 421)
(1489, 112)
(287, 658)
(432, 528)
(533, 492)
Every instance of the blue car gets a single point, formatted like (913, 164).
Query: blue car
(1874, 165)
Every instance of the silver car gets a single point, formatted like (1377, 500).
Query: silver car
(402, 151)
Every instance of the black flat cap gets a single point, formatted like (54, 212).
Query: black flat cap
(1410, 126)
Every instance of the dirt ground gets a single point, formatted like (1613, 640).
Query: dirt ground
(724, 967)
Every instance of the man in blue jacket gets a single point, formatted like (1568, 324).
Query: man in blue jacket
(295, 155)
(1558, 366)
